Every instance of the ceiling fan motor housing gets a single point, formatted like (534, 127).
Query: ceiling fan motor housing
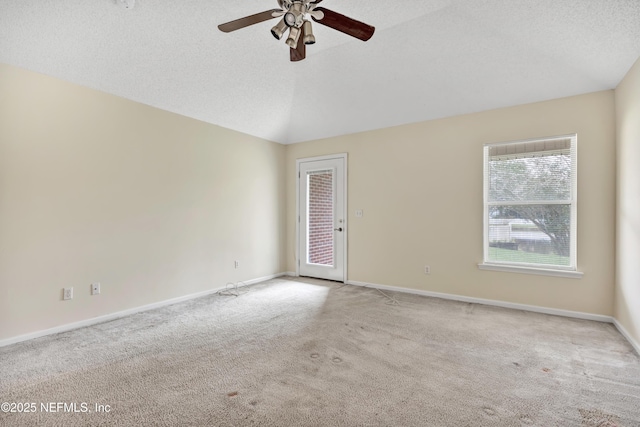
(295, 15)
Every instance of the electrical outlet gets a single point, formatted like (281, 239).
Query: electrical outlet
(359, 213)
(67, 293)
(95, 289)
(236, 264)
(427, 269)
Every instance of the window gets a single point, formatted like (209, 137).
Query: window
(530, 206)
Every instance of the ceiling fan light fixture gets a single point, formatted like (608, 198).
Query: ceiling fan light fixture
(279, 29)
(308, 38)
(290, 19)
(295, 15)
(294, 36)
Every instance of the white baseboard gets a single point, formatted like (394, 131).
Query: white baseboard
(262, 279)
(525, 307)
(116, 315)
(627, 335)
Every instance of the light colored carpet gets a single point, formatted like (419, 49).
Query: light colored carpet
(311, 353)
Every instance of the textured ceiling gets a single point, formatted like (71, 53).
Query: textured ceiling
(428, 58)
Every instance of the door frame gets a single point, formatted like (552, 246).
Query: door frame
(344, 158)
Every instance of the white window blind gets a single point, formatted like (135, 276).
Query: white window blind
(530, 203)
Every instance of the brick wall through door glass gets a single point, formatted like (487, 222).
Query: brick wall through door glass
(320, 223)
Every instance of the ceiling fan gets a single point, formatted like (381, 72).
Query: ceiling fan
(295, 17)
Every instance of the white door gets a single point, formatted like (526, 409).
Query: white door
(322, 227)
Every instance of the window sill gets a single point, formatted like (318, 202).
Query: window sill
(531, 270)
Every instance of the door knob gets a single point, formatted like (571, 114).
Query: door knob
(337, 229)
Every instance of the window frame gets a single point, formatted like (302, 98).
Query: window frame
(529, 268)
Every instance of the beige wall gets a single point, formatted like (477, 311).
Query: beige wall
(627, 296)
(155, 206)
(95, 188)
(420, 187)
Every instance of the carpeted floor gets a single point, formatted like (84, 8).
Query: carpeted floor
(303, 352)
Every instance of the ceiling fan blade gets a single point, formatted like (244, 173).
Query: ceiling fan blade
(249, 20)
(344, 24)
(300, 52)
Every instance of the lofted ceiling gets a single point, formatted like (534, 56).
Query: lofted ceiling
(427, 59)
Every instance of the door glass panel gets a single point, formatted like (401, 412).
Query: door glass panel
(320, 217)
